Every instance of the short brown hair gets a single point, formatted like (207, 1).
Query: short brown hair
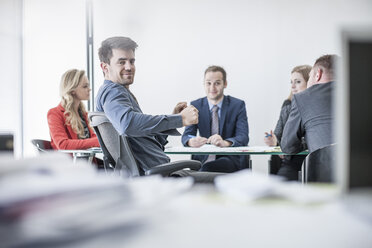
(327, 63)
(123, 43)
(214, 68)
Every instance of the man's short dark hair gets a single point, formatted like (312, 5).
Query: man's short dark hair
(214, 68)
(123, 43)
(327, 63)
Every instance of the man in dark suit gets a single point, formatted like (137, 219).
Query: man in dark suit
(222, 122)
(311, 113)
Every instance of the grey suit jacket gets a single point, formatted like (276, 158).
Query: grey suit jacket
(312, 117)
(147, 134)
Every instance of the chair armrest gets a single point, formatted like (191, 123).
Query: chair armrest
(168, 168)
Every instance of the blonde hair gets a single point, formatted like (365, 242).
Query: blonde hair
(304, 70)
(69, 82)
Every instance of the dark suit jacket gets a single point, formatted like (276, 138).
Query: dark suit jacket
(311, 116)
(233, 126)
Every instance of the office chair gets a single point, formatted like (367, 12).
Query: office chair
(118, 156)
(319, 165)
(42, 145)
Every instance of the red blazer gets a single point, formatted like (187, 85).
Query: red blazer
(62, 135)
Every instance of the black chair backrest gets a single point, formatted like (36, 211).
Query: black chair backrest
(114, 146)
(42, 145)
(108, 160)
(320, 165)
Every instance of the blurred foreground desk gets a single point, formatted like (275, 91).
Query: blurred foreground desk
(45, 203)
(202, 218)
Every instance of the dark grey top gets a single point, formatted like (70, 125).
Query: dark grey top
(284, 114)
(147, 134)
(311, 116)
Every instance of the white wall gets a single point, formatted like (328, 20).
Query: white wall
(258, 43)
(54, 41)
(11, 69)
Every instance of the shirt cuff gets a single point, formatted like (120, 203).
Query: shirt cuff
(232, 142)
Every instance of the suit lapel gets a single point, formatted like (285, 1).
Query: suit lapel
(205, 122)
(224, 109)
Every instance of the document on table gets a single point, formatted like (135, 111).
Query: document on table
(246, 186)
(213, 148)
(47, 201)
(204, 148)
(262, 148)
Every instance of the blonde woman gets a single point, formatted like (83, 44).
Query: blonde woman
(68, 122)
(288, 166)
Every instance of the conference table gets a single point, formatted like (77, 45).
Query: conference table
(241, 150)
(204, 150)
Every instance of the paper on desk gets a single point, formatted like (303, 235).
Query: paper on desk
(245, 186)
(151, 190)
(47, 174)
(263, 148)
(204, 148)
(50, 174)
(48, 201)
(213, 148)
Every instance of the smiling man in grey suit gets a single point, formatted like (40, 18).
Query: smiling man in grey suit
(147, 134)
(311, 114)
